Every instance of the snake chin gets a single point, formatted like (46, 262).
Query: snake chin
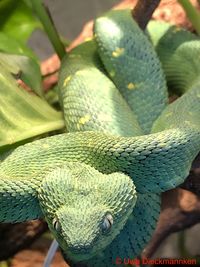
(85, 218)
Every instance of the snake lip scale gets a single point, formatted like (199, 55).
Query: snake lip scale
(98, 186)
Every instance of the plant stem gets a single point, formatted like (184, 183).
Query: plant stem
(143, 11)
(192, 13)
(45, 18)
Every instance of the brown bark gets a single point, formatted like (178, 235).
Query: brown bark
(192, 183)
(180, 210)
(143, 10)
(15, 237)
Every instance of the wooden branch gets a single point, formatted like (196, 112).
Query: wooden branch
(180, 210)
(192, 183)
(143, 11)
(15, 237)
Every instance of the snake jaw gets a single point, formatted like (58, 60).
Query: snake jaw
(85, 218)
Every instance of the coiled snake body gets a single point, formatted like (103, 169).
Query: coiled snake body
(99, 185)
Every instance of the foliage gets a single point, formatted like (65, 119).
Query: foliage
(192, 13)
(13, 46)
(16, 17)
(42, 13)
(25, 68)
(24, 114)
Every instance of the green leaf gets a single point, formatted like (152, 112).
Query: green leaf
(23, 115)
(17, 20)
(12, 46)
(192, 13)
(25, 69)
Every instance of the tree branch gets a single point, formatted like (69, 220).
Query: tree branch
(180, 210)
(15, 237)
(192, 183)
(143, 11)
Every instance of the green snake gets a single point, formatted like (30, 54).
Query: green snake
(98, 186)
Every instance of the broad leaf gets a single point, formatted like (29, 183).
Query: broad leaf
(17, 20)
(23, 115)
(25, 69)
(12, 46)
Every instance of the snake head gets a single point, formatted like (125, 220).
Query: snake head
(85, 209)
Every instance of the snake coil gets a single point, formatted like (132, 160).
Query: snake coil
(98, 186)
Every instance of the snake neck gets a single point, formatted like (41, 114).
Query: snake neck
(19, 200)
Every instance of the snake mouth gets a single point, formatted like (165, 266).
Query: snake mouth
(82, 250)
(80, 254)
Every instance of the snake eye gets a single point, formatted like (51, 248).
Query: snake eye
(56, 224)
(107, 223)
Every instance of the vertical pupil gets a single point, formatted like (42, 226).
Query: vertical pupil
(55, 224)
(109, 221)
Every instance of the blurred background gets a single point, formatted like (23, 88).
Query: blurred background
(69, 18)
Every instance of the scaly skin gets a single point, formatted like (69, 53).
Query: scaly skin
(98, 201)
(122, 43)
(99, 186)
(174, 45)
(110, 114)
